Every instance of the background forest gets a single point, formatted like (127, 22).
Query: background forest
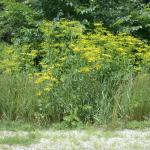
(74, 61)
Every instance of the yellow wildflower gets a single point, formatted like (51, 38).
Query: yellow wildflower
(39, 93)
(84, 69)
(76, 49)
(97, 66)
(48, 89)
(120, 49)
(107, 55)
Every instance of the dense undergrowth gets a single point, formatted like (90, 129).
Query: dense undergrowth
(75, 76)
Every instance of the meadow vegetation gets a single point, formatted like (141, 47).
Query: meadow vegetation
(61, 71)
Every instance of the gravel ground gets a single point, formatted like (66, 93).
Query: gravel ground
(85, 140)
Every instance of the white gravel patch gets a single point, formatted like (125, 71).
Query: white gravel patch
(85, 140)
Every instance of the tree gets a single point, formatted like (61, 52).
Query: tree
(137, 23)
(15, 16)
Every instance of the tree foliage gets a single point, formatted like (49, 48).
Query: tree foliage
(15, 17)
(117, 15)
(136, 23)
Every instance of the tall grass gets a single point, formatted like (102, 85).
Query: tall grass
(17, 98)
(81, 99)
(139, 107)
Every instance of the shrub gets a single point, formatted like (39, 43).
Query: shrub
(15, 19)
(81, 75)
(136, 23)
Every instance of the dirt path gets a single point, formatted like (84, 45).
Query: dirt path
(83, 140)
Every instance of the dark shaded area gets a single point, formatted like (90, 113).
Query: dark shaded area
(7, 37)
(1, 7)
(146, 1)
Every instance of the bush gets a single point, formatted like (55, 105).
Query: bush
(136, 23)
(81, 77)
(15, 18)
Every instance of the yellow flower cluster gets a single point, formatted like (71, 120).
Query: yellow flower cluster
(10, 61)
(67, 49)
(44, 76)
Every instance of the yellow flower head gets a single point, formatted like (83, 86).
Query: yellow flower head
(84, 70)
(39, 93)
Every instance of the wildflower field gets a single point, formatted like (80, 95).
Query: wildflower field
(61, 71)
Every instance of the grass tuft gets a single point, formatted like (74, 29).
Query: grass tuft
(31, 138)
